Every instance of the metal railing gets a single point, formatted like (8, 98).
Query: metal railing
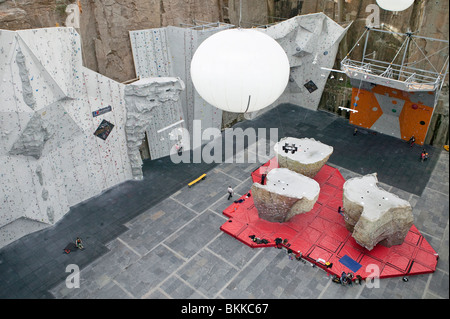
(411, 78)
(204, 25)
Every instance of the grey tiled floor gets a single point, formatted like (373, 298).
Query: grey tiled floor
(159, 239)
(176, 250)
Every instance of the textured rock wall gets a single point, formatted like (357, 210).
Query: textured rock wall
(152, 104)
(284, 195)
(106, 38)
(108, 23)
(308, 160)
(27, 14)
(375, 216)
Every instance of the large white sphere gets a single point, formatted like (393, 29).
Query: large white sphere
(235, 66)
(395, 5)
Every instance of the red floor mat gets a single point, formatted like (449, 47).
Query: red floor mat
(320, 235)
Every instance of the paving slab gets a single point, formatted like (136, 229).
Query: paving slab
(145, 274)
(176, 288)
(207, 273)
(232, 250)
(196, 234)
(153, 226)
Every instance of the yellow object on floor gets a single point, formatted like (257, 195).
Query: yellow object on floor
(196, 180)
(446, 147)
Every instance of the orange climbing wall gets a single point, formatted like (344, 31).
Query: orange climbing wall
(368, 108)
(414, 118)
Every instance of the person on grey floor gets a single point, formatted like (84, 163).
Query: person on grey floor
(411, 141)
(424, 155)
(343, 278)
(349, 279)
(230, 192)
(79, 243)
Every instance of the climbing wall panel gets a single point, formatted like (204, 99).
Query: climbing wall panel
(58, 50)
(311, 42)
(153, 107)
(415, 120)
(151, 52)
(369, 110)
(50, 158)
(167, 52)
(392, 112)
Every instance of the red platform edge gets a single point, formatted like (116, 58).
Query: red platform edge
(320, 235)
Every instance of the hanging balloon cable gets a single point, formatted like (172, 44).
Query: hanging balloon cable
(357, 94)
(240, 18)
(248, 104)
(367, 29)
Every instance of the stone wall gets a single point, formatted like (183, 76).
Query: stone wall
(106, 37)
(27, 14)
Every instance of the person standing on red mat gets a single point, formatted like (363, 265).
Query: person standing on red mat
(263, 178)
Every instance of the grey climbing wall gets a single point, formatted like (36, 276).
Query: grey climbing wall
(50, 158)
(168, 52)
(153, 106)
(311, 42)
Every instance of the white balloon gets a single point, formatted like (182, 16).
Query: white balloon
(240, 70)
(397, 5)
